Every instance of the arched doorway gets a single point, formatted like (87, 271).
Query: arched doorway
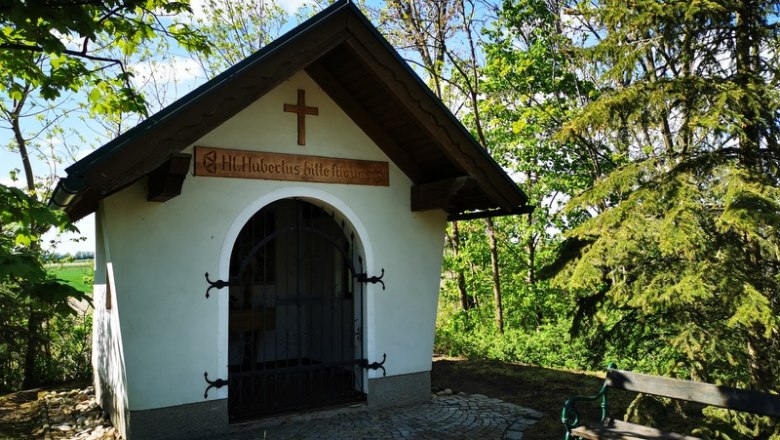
(295, 312)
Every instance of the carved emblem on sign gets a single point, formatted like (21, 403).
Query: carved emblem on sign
(210, 162)
(219, 162)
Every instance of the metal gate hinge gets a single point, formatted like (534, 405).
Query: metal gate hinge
(219, 383)
(363, 363)
(364, 278)
(218, 284)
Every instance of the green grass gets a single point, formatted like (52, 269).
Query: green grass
(73, 273)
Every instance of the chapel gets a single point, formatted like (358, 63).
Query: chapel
(272, 242)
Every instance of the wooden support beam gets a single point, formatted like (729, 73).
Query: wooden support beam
(166, 181)
(439, 195)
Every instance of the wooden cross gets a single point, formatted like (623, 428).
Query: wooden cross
(301, 110)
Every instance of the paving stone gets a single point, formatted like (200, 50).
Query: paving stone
(457, 416)
(513, 435)
(451, 417)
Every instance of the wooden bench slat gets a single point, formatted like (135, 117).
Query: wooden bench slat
(613, 429)
(708, 394)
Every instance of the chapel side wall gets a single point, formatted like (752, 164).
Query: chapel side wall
(107, 356)
(172, 334)
(168, 325)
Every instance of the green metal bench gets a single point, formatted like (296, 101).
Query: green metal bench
(700, 392)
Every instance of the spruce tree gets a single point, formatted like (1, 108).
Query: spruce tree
(681, 253)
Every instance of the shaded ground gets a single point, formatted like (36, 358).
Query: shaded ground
(54, 413)
(534, 387)
(19, 414)
(22, 414)
(545, 390)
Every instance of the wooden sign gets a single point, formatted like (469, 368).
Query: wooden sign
(219, 162)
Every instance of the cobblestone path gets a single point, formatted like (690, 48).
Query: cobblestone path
(444, 417)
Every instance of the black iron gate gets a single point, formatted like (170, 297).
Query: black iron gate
(295, 325)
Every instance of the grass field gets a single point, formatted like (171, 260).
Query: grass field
(73, 273)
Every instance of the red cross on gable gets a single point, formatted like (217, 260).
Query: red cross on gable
(301, 110)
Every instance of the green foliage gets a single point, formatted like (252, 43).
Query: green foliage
(63, 345)
(50, 47)
(32, 302)
(468, 334)
(537, 316)
(57, 51)
(679, 256)
(22, 221)
(12, 342)
(681, 237)
(728, 425)
(657, 123)
(236, 29)
(70, 345)
(528, 90)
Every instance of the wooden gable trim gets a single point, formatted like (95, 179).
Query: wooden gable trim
(361, 117)
(208, 111)
(86, 204)
(457, 146)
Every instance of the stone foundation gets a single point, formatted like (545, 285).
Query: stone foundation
(195, 420)
(210, 418)
(399, 390)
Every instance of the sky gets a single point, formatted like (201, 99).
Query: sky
(82, 135)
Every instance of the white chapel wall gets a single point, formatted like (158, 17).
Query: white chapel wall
(172, 334)
(107, 353)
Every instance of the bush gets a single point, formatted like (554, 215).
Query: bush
(63, 341)
(468, 334)
(71, 338)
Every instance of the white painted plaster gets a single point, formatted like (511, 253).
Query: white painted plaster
(171, 333)
(107, 352)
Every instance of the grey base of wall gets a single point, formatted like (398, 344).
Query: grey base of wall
(399, 390)
(179, 422)
(206, 419)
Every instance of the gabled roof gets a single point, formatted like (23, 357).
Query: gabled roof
(348, 58)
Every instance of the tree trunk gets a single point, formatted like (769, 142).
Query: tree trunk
(21, 143)
(760, 367)
(531, 275)
(31, 379)
(496, 275)
(466, 302)
(745, 38)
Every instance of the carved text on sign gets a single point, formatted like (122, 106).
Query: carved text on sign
(220, 162)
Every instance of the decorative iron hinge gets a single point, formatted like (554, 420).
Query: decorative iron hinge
(363, 363)
(364, 278)
(218, 284)
(219, 383)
